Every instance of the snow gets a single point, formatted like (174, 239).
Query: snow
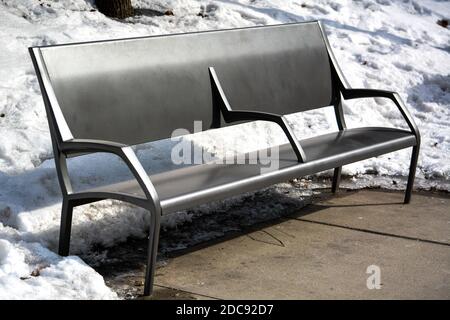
(383, 44)
(30, 271)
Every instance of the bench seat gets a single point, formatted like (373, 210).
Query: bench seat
(189, 186)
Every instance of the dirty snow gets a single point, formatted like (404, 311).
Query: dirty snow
(385, 44)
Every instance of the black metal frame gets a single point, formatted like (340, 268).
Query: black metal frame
(64, 145)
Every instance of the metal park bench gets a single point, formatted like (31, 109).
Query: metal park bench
(106, 96)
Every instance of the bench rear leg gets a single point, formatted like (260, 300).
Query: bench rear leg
(412, 174)
(336, 179)
(153, 240)
(66, 227)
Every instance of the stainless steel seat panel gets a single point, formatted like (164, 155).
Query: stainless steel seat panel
(197, 184)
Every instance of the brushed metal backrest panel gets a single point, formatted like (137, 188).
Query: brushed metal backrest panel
(137, 90)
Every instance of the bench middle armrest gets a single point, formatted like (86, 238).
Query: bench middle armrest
(231, 115)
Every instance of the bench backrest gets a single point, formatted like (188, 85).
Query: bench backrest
(141, 89)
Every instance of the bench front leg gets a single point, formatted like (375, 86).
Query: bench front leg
(336, 179)
(152, 251)
(412, 174)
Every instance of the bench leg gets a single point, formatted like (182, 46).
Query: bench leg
(66, 227)
(153, 239)
(412, 174)
(336, 179)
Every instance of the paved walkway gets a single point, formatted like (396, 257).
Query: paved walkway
(323, 251)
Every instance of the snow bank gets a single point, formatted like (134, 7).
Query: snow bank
(31, 271)
(384, 44)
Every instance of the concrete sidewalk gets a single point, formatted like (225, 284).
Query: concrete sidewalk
(323, 252)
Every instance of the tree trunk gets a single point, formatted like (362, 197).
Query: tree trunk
(115, 8)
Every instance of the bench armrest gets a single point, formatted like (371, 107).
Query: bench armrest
(242, 115)
(393, 96)
(125, 153)
(230, 115)
(90, 145)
